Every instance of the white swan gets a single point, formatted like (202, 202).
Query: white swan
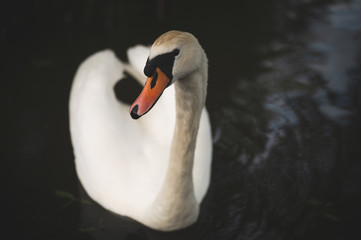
(156, 169)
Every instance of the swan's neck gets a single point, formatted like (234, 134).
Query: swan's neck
(176, 202)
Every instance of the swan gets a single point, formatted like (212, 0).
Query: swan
(156, 169)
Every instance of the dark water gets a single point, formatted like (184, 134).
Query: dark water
(284, 101)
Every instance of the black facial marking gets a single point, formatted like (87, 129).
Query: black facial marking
(175, 52)
(154, 80)
(164, 62)
(149, 68)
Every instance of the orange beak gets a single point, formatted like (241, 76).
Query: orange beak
(150, 94)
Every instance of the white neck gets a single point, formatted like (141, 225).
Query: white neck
(176, 205)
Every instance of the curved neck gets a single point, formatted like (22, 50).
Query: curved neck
(176, 200)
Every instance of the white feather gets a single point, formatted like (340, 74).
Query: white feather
(122, 163)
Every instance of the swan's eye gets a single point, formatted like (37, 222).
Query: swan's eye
(175, 52)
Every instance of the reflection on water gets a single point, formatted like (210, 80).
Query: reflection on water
(284, 100)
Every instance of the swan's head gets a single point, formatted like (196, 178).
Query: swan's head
(173, 56)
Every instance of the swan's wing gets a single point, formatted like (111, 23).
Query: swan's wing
(137, 57)
(103, 133)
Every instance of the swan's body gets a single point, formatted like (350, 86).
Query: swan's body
(156, 169)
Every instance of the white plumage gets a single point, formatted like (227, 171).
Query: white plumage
(125, 164)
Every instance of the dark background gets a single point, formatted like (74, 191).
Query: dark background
(284, 101)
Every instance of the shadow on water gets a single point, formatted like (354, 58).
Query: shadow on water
(284, 101)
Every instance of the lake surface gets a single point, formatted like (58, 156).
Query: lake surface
(284, 100)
